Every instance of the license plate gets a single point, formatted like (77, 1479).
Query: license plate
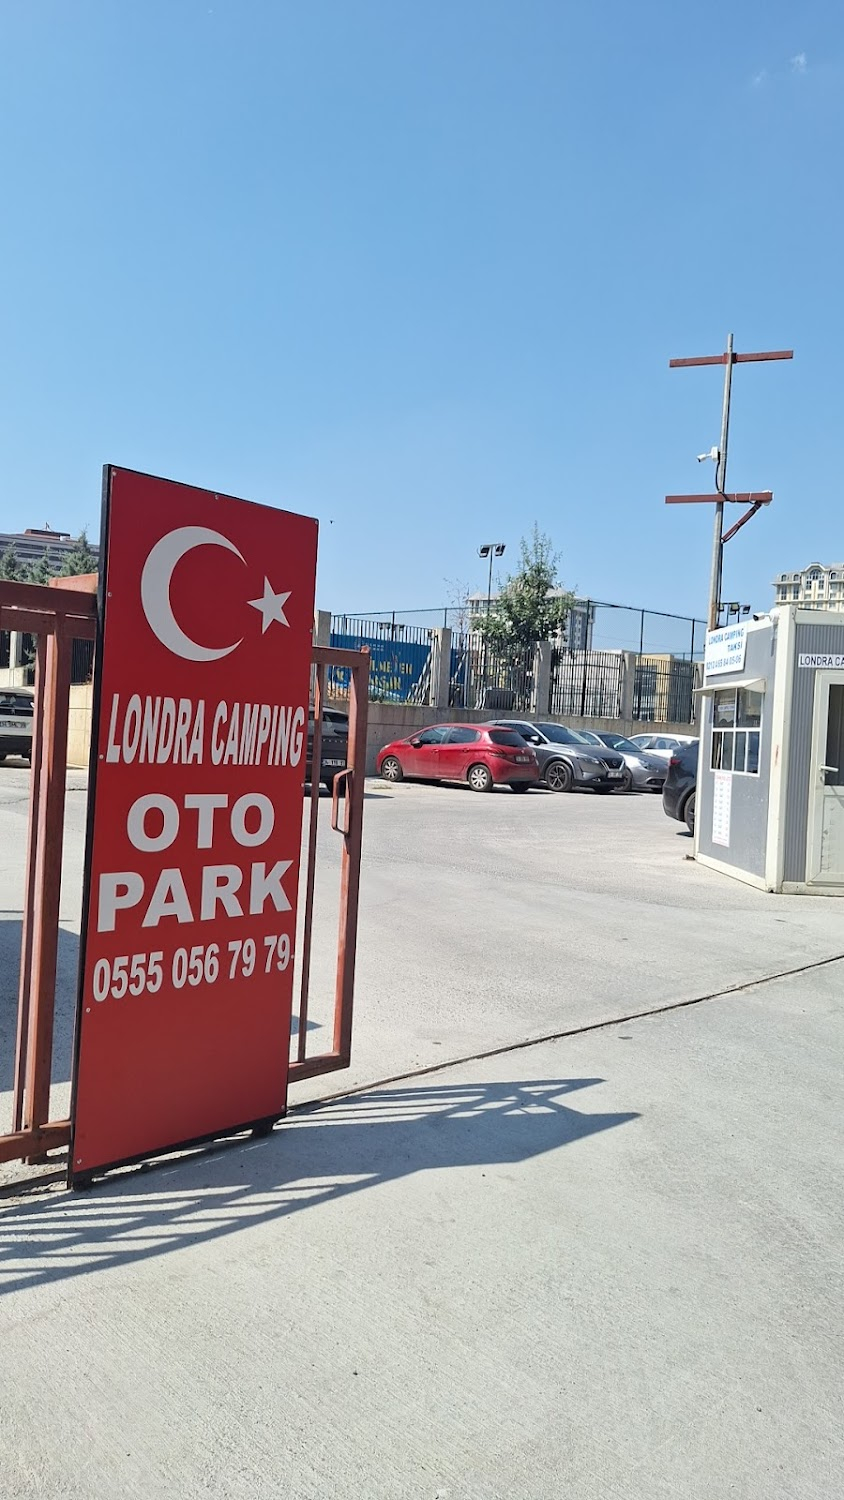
(15, 726)
(614, 775)
(523, 760)
(332, 762)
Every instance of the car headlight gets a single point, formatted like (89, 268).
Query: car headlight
(589, 760)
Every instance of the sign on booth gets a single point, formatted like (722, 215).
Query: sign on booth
(725, 649)
(195, 821)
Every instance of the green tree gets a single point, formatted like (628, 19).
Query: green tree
(80, 559)
(40, 571)
(10, 569)
(532, 606)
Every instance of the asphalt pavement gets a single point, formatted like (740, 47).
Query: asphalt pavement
(606, 1263)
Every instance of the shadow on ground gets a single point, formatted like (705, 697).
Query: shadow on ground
(316, 1156)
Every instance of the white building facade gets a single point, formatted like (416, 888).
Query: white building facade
(817, 587)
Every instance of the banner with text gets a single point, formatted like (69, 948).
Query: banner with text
(195, 825)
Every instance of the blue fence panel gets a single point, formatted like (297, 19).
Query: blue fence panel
(399, 670)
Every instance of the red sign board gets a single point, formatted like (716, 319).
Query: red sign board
(198, 764)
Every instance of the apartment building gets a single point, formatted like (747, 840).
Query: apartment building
(817, 587)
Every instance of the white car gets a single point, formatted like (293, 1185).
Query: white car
(15, 723)
(661, 745)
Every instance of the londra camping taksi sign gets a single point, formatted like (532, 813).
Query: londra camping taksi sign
(198, 762)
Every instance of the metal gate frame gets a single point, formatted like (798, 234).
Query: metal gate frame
(56, 617)
(352, 782)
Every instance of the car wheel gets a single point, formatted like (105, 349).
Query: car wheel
(626, 782)
(480, 778)
(558, 776)
(689, 814)
(520, 786)
(391, 769)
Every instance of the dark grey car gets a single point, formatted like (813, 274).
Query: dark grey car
(334, 747)
(16, 709)
(566, 758)
(643, 771)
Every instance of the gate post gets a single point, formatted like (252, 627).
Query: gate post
(15, 649)
(627, 686)
(541, 696)
(440, 666)
(322, 637)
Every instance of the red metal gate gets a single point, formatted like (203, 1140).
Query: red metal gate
(350, 826)
(56, 617)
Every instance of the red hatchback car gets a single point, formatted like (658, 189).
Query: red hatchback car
(483, 756)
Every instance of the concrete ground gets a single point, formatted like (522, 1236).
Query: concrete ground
(604, 1264)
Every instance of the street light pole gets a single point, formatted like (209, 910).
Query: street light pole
(491, 550)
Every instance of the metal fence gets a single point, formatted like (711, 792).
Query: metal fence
(600, 626)
(591, 685)
(663, 690)
(587, 683)
(484, 676)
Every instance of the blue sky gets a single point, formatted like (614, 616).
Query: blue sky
(418, 269)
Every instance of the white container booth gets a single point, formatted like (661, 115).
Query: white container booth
(770, 789)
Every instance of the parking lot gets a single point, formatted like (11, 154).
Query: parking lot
(490, 919)
(604, 1263)
(486, 921)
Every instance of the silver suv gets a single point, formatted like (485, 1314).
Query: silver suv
(567, 759)
(15, 723)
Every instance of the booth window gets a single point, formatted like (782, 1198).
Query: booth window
(736, 719)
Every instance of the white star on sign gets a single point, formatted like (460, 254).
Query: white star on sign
(271, 606)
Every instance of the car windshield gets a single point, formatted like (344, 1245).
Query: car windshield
(517, 725)
(618, 742)
(559, 735)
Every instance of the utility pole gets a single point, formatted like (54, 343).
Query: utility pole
(720, 485)
(719, 454)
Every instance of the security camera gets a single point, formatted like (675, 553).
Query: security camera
(713, 454)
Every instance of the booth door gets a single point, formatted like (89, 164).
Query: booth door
(825, 851)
